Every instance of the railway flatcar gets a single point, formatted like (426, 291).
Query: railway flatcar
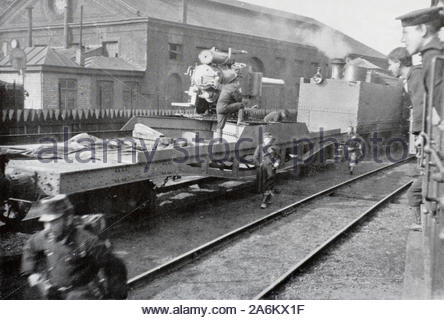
(116, 175)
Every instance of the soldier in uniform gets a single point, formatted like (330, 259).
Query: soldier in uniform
(420, 33)
(400, 64)
(73, 257)
(230, 101)
(420, 30)
(277, 116)
(267, 160)
(353, 146)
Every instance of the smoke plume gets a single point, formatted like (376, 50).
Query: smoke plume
(331, 43)
(310, 32)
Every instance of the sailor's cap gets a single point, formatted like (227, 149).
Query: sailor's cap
(421, 16)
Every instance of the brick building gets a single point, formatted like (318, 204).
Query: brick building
(55, 80)
(158, 39)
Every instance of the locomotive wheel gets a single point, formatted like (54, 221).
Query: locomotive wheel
(12, 212)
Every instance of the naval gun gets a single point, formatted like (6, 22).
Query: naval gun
(217, 68)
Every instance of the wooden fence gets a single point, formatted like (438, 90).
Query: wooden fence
(24, 126)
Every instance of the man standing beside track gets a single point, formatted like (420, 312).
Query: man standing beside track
(421, 35)
(267, 160)
(400, 64)
(420, 30)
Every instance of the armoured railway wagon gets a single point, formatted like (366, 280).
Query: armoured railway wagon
(116, 175)
(119, 178)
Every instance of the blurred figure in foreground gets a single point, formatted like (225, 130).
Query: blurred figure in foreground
(77, 264)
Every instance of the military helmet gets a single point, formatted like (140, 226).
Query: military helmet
(55, 207)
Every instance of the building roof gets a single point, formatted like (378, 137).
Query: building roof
(100, 62)
(39, 56)
(228, 15)
(4, 4)
(262, 21)
(58, 57)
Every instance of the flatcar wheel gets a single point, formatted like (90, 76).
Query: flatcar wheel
(12, 212)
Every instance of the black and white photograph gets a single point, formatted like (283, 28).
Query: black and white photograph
(275, 152)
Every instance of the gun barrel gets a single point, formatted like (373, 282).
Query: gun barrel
(272, 82)
(237, 51)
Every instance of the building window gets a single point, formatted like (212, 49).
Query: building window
(175, 51)
(130, 94)
(299, 68)
(67, 94)
(105, 94)
(257, 65)
(111, 49)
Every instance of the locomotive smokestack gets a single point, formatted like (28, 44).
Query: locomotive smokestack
(184, 11)
(80, 55)
(337, 68)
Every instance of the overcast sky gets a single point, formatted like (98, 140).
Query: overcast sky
(369, 21)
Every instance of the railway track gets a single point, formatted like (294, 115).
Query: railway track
(253, 261)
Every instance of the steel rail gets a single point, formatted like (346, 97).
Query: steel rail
(207, 247)
(283, 279)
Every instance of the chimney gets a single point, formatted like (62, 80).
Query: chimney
(29, 9)
(80, 55)
(65, 25)
(184, 11)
